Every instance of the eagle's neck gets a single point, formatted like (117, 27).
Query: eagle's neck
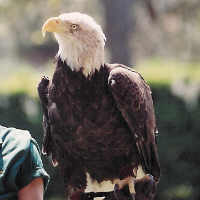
(81, 56)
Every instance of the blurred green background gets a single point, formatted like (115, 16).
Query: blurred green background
(160, 39)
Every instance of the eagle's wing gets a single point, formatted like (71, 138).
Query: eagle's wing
(43, 95)
(49, 111)
(133, 98)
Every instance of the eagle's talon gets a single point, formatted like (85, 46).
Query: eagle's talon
(151, 177)
(151, 180)
(145, 187)
(119, 193)
(116, 187)
(132, 196)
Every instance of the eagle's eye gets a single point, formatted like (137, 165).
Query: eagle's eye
(74, 26)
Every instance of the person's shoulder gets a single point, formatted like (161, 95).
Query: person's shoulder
(15, 138)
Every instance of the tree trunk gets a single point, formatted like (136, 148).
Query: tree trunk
(119, 27)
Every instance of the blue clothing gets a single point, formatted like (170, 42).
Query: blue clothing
(20, 162)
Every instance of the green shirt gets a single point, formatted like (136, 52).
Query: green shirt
(20, 162)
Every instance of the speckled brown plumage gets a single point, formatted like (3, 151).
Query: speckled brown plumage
(103, 124)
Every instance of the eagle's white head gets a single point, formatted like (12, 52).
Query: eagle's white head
(81, 41)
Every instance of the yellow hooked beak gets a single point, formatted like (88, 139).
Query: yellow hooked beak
(53, 24)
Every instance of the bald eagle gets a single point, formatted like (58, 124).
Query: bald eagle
(98, 118)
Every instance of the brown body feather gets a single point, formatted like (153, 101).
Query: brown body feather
(103, 124)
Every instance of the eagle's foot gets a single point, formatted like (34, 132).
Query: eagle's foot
(123, 194)
(145, 188)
